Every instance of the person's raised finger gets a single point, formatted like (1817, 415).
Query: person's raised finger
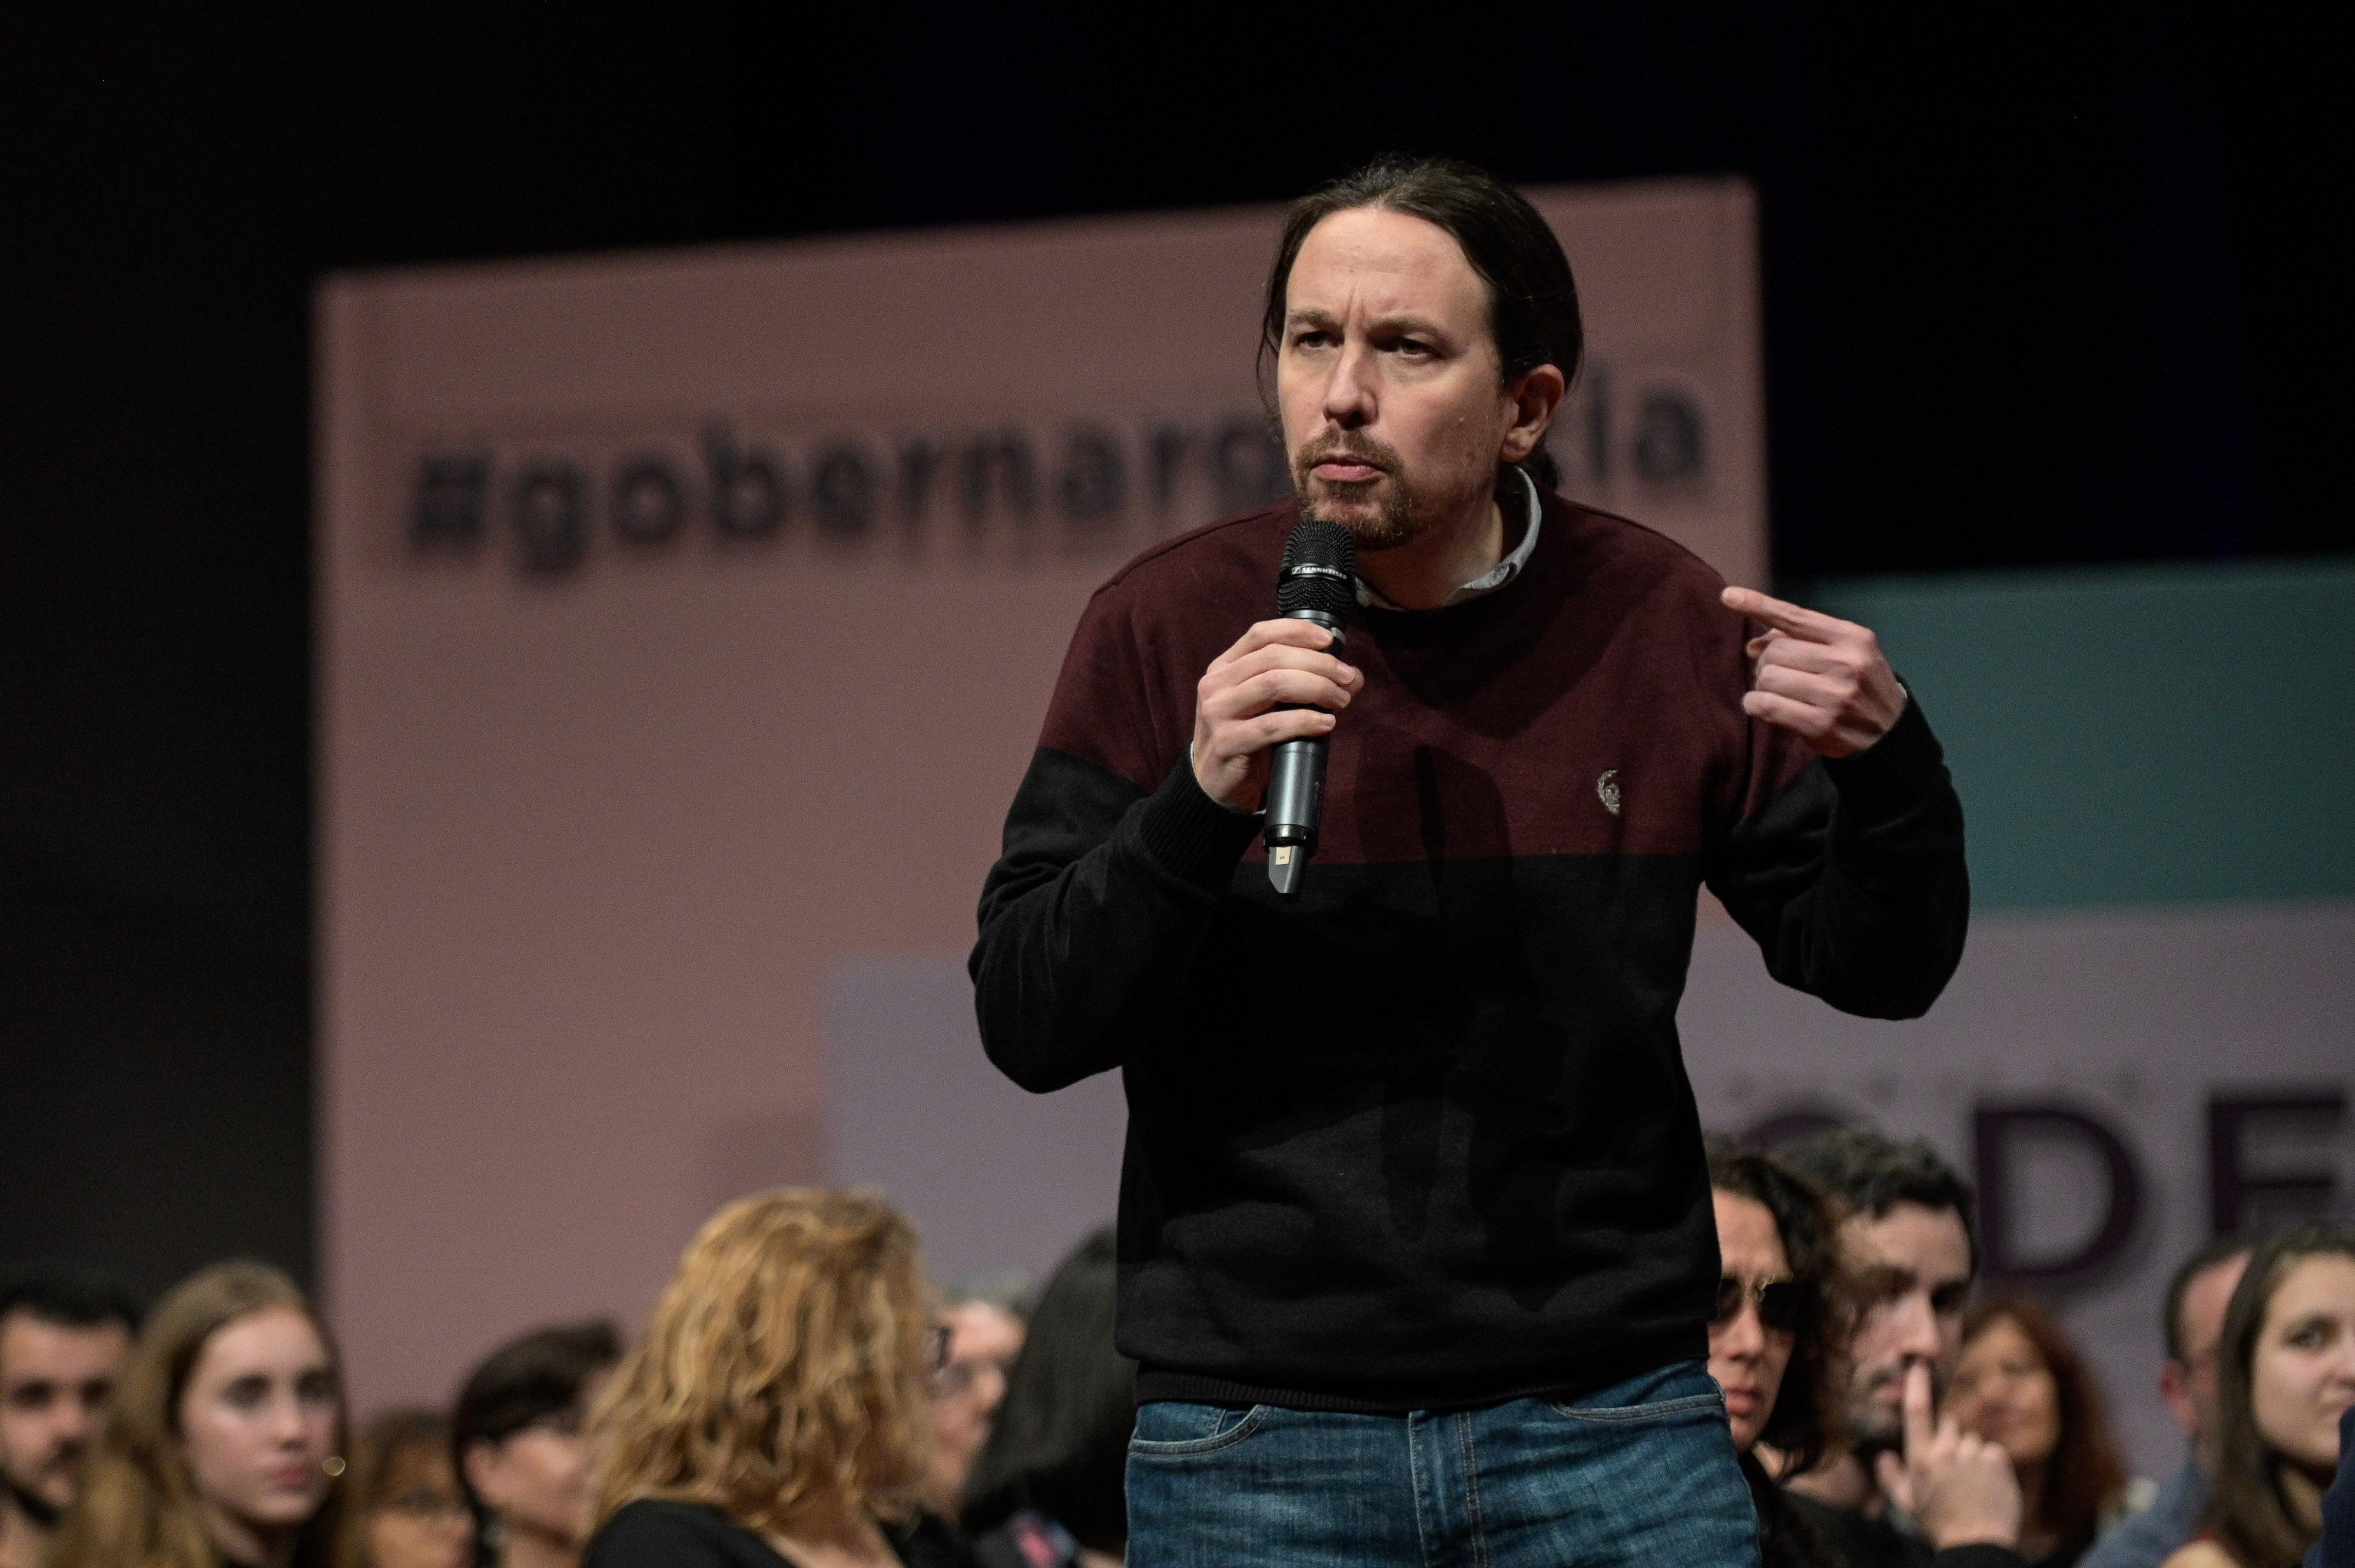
(1782, 615)
(1919, 1432)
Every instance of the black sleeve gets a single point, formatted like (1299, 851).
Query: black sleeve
(1091, 913)
(1850, 878)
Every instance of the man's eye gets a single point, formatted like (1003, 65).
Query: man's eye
(1412, 348)
(1310, 340)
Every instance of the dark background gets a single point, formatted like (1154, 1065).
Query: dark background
(2038, 290)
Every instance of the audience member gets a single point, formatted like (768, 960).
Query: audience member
(2336, 1549)
(2285, 1377)
(1774, 1342)
(403, 1507)
(2191, 1319)
(778, 1406)
(516, 1445)
(1048, 1488)
(1906, 1481)
(224, 1439)
(986, 1331)
(63, 1340)
(2023, 1386)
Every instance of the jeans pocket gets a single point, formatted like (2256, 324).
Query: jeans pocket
(1630, 1414)
(1174, 1429)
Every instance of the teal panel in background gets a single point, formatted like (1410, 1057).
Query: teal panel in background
(2137, 735)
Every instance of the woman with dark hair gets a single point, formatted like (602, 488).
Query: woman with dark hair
(2022, 1385)
(402, 1507)
(2284, 1375)
(1047, 1490)
(516, 1441)
(1774, 1342)
(225, 1437)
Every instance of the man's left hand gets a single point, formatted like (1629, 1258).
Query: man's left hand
(1823, 679)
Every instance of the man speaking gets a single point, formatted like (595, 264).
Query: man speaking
(1417, 1256)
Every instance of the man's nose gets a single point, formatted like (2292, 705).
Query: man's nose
(1349, 394)
(1917, 1327)
(1744, 1337)
(76, 1422)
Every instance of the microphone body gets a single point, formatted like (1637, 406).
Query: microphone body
(1318, 583)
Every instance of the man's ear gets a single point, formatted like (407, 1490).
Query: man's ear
(485, 1474)
(1537, 395)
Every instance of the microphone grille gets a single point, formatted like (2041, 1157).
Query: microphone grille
(1319, 572)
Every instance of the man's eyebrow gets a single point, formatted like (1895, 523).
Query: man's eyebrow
(1411, 325)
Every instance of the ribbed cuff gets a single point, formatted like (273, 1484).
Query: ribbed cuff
(1895, 773)
(1196, 838)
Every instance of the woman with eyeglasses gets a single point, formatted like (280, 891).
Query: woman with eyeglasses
(1773, 1343)
(2023, 1386)
(777, 1413)
(224, 1439)
(516, 1440)
(403, 1508)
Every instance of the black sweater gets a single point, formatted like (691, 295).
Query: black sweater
(1423, 1137)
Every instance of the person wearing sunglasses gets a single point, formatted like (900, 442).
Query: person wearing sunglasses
(1772, 1338)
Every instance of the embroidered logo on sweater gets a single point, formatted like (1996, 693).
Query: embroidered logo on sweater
(1606, 790)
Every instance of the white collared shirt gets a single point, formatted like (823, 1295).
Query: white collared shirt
(1488, 581)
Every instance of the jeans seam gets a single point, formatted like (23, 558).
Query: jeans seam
(1472, 1491)
(1623, 1414)
(1414, 1472)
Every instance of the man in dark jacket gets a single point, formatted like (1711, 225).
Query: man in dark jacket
(1417, 1254)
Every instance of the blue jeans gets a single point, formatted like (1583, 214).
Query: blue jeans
(1642, 1472)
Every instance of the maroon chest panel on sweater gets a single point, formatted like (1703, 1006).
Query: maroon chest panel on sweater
(1590, 706)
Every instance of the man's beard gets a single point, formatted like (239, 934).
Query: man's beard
(1394, 520)
(44, 1513)
(1874, 1426)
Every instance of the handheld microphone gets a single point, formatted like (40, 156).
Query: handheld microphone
(1318, 582)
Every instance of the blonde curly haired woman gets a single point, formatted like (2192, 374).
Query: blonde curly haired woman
(777, 1411)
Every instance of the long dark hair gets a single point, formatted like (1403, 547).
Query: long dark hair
(2247, 1509)
(1532, 299)
(1799, 1426)
(1060, 1442)
(2085, 1475)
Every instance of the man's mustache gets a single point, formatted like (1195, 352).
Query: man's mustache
(1369, 454)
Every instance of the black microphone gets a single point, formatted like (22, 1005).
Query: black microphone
(1318, 582)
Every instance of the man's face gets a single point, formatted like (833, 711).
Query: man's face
(1917, 1265)
(2188, 1386)
(1394, 408)
(54, 1382)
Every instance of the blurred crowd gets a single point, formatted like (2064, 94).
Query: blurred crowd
(802, 1394)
